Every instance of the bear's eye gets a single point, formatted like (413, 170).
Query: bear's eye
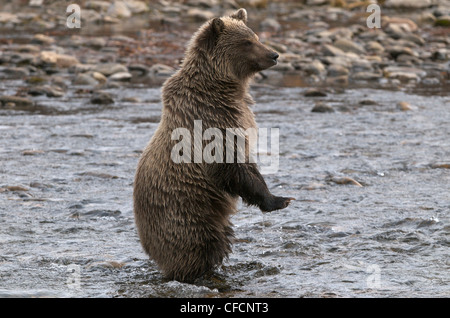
(248, 43)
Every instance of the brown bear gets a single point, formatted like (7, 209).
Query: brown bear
(182, 209)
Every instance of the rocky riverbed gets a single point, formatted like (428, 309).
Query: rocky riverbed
(321, 45)
(364, 125)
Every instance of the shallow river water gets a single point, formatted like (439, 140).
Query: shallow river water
(371, 216)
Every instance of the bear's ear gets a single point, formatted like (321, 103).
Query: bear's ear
(217, 25)
(240, 14)
(209, 36)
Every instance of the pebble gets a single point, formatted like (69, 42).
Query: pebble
(257, 4)
(60, 60)
(7, 17)
(104, 264)
(98, 175)
(445, 165)
(337, 70)
(131, 100)
(330, 50)
(121, 76)
(345, 180)
(441, 54)
(95, 42)
(84, 79)
(337, 80)
(270, 24)
(315, 67)
(32, 152)
(137, 6)
(99, 77)
(314, 92)
(36, 80)
(59, 82)
(404, 106)
(366, 76)
(431, 81)
(349, 46)
(16, 188)
(404, 74)
(415, 38)
(397, 50)
(118, 9)
(443, 21)
(49, 91)
(102, 98)
(108, 69)
(40, 185)
(399, 28)
(16, 72)
(16, 100)
(321, 107)
(42, 39)
(158, 73)
(199, 15)
(374, 46)
(285, 67)
(316, 2)
(407, 4)
(427, 18)
(405, 69)
(281, 48)
(97, 5)
(365, 102)
(138, 69)
(404, 77)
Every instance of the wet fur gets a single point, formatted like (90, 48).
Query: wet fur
(182, 210)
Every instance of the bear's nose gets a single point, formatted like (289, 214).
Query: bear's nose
(275, 55)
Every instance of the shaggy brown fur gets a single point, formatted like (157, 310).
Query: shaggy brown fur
(182, 209)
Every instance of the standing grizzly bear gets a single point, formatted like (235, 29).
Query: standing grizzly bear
(182, 209)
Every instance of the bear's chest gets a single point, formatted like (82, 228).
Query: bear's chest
(247, 119)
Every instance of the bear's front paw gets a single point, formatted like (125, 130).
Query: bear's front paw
(275, 203)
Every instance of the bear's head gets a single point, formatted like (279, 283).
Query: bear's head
(231, 47)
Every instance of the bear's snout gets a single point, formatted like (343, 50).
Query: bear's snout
(274, 56)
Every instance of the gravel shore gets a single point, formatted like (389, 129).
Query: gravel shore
(328, 45)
